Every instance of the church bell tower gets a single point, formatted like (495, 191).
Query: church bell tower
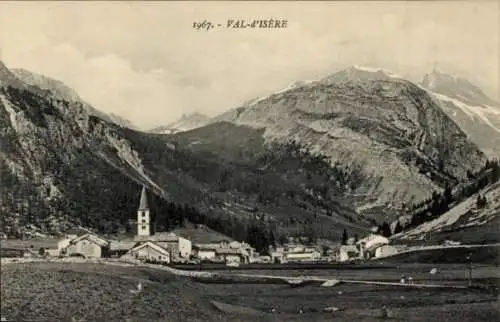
(143, 216)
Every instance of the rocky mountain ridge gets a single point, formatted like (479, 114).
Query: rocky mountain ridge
(64, 166)
(63, 92)
(468, 106)
(356, 114)
(299, 160)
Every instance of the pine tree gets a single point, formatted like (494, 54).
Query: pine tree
(398, 228)
(386, 229)
(479, 202)
(344, 237)
(448, 196)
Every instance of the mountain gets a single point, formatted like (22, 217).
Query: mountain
(456, 87)
(7, 78)
(370, 119)
(466, 222)
(62, 91)
(317, 157)
(111, 117)
(467, 105)
(185, 123)
(63, 166)
(47, 83)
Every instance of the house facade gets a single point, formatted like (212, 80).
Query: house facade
(294, 253)
(65, 241)
(148, 251)
(88, 245)
(232, 255)
(385, 250)
(202, 252)
(370, 244)
(179, 248)
(306, 255)
(348, 252)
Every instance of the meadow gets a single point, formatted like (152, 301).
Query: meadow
(98, 292)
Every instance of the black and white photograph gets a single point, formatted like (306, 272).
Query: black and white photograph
(165, 161)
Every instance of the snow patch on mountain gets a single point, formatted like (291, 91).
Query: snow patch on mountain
(376, 70)
(470, 110)
(302, 83)
(186, 123)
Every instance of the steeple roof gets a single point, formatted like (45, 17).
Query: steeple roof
(143, 204)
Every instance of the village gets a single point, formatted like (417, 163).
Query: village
(195, 245)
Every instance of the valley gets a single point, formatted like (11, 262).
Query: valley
(296, 163)
(105, 293)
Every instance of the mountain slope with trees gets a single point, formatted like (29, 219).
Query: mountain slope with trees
(390, 129)
(297, 163)
(63, 166)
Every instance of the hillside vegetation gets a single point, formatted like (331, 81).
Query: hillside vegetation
(316, 159)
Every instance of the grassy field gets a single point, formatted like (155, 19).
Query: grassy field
(448, 274)
(98, 292)
(480, 255)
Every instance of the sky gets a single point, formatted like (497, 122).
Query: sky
(146, 62)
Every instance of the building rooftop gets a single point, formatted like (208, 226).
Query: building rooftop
(373, 240)
(122, 244)
(230, 251)
(161, 236)
(153, 245)
(91, 237)
(79, 231)
(201, 234)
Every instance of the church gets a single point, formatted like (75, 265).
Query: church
(156, 246)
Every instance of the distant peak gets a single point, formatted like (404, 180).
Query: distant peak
(374, 70)
(186, 122)
(46, 83)
(8, 78)
(360, 73)
(193, 115)
(455, 87)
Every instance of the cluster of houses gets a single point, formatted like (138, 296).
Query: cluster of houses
(178, 246)
(371, 246)
(201, 244)
(295, 252)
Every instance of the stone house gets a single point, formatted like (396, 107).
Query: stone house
(88, 245)
(148, 251)
(370, 243)
(305, 255)
(65, 241)
(232, 255)
(385, 250)
(119, 248)
(203, 252)
(179, 248)
(348, 252)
